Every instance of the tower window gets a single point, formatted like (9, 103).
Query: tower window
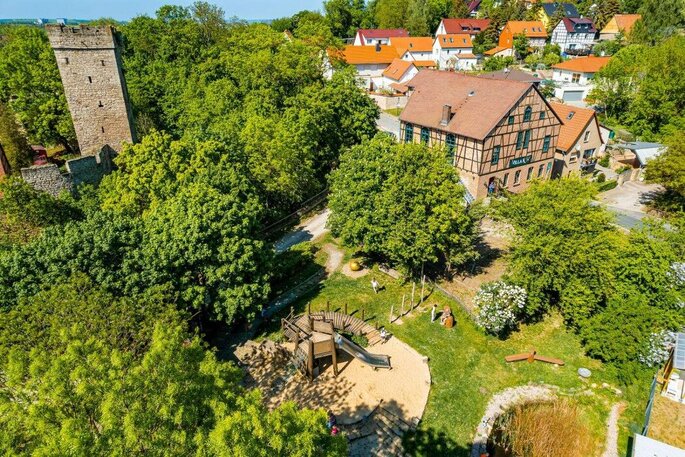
(103, 62)
(103, 129)
(100, 104)
(90, 79)
(66, 60)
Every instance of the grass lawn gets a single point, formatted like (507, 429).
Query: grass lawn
(394, 111)
(467, 366)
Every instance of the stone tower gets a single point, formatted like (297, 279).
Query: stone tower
(89, 63)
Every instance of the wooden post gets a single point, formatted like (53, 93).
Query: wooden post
(413, 288)
(310, 361)
(328, 305)
(345, 308)
(334, 354)
(423, 285)
(403, 297)
(362, 313)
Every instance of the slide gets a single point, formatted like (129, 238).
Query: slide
(373, 360)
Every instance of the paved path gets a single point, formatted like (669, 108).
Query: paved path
(611, 447)
(312, 228)
(389, 123)
(627, 202)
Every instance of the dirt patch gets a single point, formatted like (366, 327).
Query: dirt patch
(354, 393)
(611, 446)
(335, 257)
(347, 271)
(491, 266)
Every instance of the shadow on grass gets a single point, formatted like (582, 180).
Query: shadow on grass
(430, 442)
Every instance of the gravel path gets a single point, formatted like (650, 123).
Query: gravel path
(309, 230)
(611, 447)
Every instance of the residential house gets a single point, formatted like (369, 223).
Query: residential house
(535, 31)
(4, 164)
(474, 7)
(369, 61)
(397, 74)
(573, 78)
(372, 37)
(454, 52)
(574, 35)
(415, 49)
(471, 26)
(620, 23)
(636, 154)
(580, 139)
(548, 11)
(498, 134)
(509, 74)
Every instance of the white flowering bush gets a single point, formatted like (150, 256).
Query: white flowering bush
(498, 306)
(657, 349)
(678, 273)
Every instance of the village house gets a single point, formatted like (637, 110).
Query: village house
(635, 154)
(498, 134)
(369, 61)
(573, 78)
(397, 74)
(548, 11)
(620, 23)
(580, 139)
(372, 37)
(418, 50)
(509, 74)
(454, 52)
(469, 25)
(474, 7)
(574, 35)
(535, 32)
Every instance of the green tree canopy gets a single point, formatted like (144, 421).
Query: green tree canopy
(403, 203)
(12, 141)
(668, 169)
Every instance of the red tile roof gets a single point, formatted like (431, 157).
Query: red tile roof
(478, 104)
(465, 25)
(590, 64)
(576, 25)
(397, 69)
(412, 44)
(575, 121)
(532, 29)
(359, 55)
(455, 40)
(382, 33)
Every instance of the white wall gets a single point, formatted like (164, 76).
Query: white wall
(370, 41)
(567, 40)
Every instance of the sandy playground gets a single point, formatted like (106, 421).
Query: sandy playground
(354, 393)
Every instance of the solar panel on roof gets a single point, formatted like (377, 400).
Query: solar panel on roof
(679, 352)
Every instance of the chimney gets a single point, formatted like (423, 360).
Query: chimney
(446, 110)
(378, 46)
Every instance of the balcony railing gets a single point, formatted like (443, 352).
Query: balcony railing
(578, 51)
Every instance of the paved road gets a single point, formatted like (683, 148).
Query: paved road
(308, 230)
(389, 123)
(627, 202)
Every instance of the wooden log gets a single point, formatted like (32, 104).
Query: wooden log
(403, 297)
(363, 314)
(345, 308)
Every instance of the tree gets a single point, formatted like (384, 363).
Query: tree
(417, 22)
(32, 88)
(402, 203)
(485, 40)
(603, 11)
(498, 63)
(668, 168)
(563, 248)
(557, 17)
(14, 145)
(659, 20)
(344, 16)
(498, 305)
(391, 14)
(521, 45)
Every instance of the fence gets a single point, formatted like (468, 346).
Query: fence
(650, 404)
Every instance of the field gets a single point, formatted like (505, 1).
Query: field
(467, 366)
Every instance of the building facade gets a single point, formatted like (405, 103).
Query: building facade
(372, 37)
(89, 64)
(535, 32)
(470, 26)
(619, 24)
(580, 139)
(498, 134)
(369, 61)
(573, 78)
(575, 36)
(454, 52)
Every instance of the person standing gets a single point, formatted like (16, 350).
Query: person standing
(433, 310)
(374, 285)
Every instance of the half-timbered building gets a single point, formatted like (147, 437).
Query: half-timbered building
(499, 134)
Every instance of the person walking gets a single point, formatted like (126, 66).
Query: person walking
(433, 311)
(374, 285)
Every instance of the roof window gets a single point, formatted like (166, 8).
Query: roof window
(570, 115)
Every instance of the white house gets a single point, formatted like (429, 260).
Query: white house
(397, 74)
(414, 49)
(454, 51)
(372, 37)
(369, 61)
(573, 78)
(574, 35)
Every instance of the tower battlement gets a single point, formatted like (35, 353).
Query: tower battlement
(82, 37)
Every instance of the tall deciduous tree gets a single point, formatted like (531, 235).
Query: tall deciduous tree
(32, 88)
(403, 203)
(668, 168)
(14, 145)
(660, 19)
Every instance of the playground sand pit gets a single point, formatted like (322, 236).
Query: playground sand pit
(347, 271)
(354, 393)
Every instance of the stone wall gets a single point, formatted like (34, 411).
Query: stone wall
(386, 102)
(47, 178)
(89, 63)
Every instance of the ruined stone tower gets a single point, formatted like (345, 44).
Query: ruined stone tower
(90, 66)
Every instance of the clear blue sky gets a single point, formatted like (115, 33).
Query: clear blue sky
(126, 9)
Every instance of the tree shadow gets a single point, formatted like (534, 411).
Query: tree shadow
(429, 442)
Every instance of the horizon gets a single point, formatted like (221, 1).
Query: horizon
(125, 10)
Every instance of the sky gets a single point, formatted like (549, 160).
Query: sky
(126, 9)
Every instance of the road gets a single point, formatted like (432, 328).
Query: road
(627, 202)
(308, 230)
(389, 123)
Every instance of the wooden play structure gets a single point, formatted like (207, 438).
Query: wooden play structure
(316, 337)
(533, 356)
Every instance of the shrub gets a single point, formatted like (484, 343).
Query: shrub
(657, 349)
(498, 304)
(601, 178)
(604, 160)
(608, 185)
